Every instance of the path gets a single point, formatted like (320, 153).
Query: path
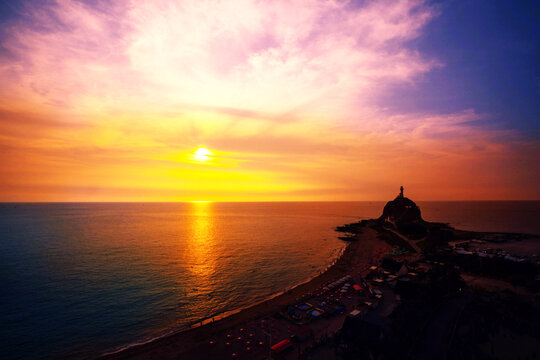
(412, 243)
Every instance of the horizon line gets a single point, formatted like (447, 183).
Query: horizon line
(251, 201)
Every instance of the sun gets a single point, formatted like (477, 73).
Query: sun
(202, 154)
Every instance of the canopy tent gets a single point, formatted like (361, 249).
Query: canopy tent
(281, 346)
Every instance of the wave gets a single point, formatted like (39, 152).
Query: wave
(221, 315)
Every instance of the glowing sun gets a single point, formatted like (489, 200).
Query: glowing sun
(202, 154)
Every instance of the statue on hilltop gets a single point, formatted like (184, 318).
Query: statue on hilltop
(401, 211)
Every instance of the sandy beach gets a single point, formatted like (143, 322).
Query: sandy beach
(357, 256)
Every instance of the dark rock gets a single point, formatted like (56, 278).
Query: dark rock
(401, 212)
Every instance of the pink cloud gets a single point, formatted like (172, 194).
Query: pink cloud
(272, 56)
(288, 88)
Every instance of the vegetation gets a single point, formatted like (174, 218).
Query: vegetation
(414, 231)
(353, 228)
(517, 273)
(392, 239)
(422, 300)
(497, 326)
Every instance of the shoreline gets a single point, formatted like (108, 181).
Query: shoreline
(218, 317)
(361, 252)
(367, 248)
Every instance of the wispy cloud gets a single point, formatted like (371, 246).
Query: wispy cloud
(112, 94)
(267, 56)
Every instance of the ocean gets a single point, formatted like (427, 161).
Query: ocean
(81, 279)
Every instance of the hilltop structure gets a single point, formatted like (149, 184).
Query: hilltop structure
(401, 211)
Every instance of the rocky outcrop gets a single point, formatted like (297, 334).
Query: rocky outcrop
(401, 211)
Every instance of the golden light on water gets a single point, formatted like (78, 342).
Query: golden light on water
(200, 253)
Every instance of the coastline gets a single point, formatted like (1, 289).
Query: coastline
(435, 292)
(217, 317)
(357, 254)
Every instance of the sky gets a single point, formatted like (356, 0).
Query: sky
(292, 100)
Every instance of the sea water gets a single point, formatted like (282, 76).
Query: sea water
(81, 279)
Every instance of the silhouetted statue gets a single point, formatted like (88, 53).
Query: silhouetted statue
(401, 192)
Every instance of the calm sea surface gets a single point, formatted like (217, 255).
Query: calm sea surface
(80, 279)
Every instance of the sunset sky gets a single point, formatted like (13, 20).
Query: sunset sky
(293, 100)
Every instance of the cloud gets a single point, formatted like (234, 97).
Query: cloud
(250, 55)
(109, 95)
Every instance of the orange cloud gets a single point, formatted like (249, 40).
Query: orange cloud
(103, 102)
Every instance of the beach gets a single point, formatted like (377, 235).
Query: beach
(193, 343)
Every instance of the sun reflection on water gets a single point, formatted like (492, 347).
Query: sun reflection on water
(200, 253)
